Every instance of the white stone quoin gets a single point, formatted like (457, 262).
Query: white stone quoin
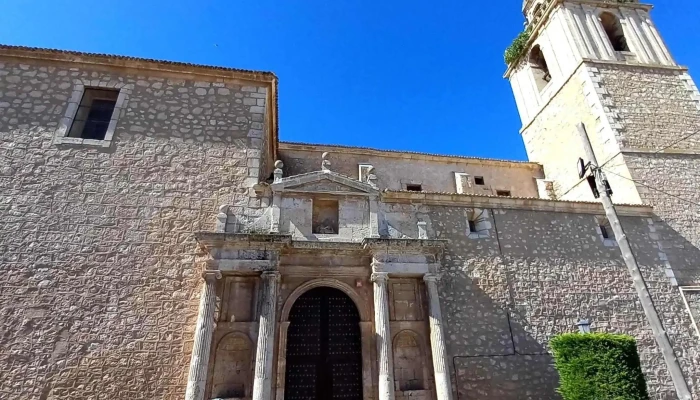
(262, 383)
(199, 362)
(381, 323)
(443, 386)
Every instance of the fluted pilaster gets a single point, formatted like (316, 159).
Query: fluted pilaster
(383, 335)
(199, 363)
(443, 386)
(262, 383)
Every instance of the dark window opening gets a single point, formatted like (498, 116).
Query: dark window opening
(479, 180)
(604, 232)
(472, 226)
(324, 218)
(414, 188)
(505, 193)
(540, 70)
(94, 114)
(613, 29)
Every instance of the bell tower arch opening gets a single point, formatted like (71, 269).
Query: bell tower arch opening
(324, 351)
(613, 29)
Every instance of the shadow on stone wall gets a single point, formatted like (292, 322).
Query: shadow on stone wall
(494, 355)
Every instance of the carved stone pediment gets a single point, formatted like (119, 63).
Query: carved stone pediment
(324, 182)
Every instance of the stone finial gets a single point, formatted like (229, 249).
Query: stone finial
(422, 231)
(325, 164)
(278, 171)
(222, 218)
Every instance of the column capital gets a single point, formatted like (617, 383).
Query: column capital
(271, 275)
(380, 277)
(211, 275)
(432, 277)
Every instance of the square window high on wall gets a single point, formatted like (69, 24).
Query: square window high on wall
(324, 217)
(94, 114)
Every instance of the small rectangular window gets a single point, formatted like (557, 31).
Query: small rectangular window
(505, 193)
(324, 217)
(472, 226)
(364, 171)
(414, 188)
(604, 232)
(94, 114)
(479, 180)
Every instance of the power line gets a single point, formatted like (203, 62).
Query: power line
(657, 151)
(624, 162)
(653, 188)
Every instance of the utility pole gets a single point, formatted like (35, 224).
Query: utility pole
(657, 328)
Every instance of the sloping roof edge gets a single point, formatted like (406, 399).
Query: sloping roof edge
(398, 153)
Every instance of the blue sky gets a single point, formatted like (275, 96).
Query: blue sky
(407, 75)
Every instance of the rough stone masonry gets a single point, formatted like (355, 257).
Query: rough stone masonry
(184, 252)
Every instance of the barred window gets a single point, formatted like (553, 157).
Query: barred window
(94, 113)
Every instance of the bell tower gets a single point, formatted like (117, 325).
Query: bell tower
(603, 63)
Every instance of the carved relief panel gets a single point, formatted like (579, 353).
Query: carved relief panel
(237, 299)
(406, 302)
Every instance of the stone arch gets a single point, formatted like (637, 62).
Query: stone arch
(233, 366)
(333, 283)
(613, 29)
(540, 69)
(409, 361)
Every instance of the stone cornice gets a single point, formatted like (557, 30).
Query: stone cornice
(515, 203)
(242, 240)
(119, 61)
(323, 245)
(430, 246)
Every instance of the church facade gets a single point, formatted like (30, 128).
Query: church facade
(158, 241)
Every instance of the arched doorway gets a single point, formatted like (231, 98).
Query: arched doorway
(324, 352)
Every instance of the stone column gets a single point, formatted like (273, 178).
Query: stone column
(443, 386)
(383, 335)
(199, 363)
(262, 383)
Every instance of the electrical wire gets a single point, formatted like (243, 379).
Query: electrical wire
(652, 187)
(654, 152)
(623, 163)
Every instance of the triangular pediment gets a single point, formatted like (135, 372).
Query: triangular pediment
(323, 182)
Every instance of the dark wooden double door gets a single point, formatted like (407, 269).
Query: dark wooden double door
(324, 352)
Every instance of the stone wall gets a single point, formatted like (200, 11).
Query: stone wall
(663, 112)
(552, 139)
(394, 170)
(504, 295)
(98, 293)
(654, 107)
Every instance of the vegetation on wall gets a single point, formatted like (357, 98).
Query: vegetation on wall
(598, 366)
(517, 48)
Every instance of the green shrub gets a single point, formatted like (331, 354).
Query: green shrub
(517, 48)
(598, 366)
